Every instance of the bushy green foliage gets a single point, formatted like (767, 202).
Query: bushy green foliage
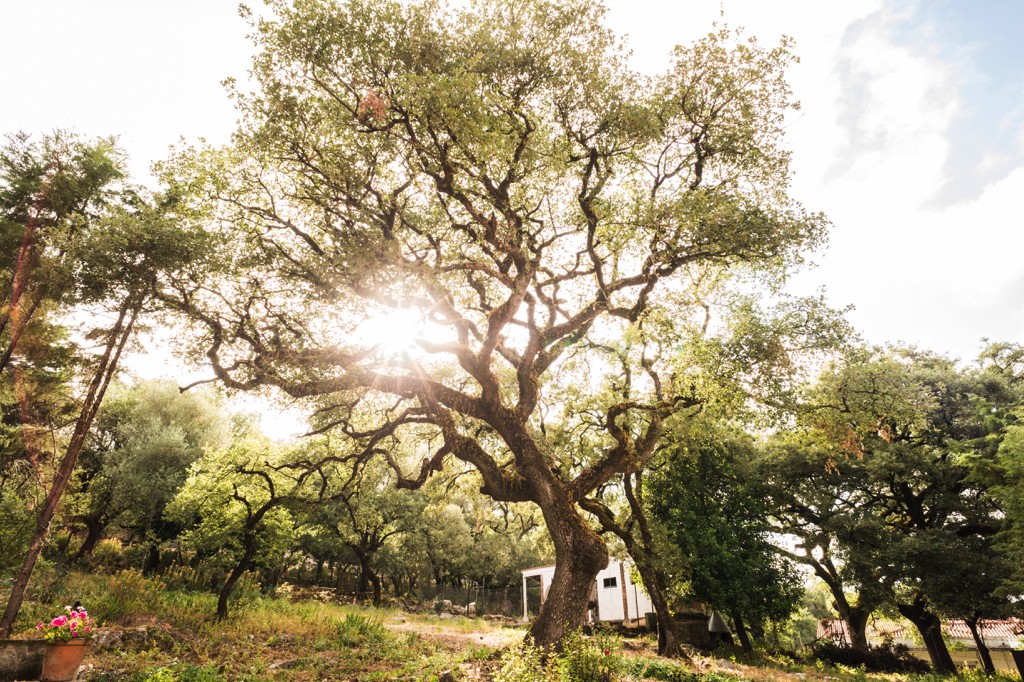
(592, 659)
(145, 438)
(108, 554)
(714, 511)
(356, 630)
(112, 598)
(881, 658)
(524, 662)
(582, 659)
(15, 527)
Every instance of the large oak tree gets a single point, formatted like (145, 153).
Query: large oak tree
(502, 181)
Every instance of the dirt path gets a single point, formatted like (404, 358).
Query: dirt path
(455, 634)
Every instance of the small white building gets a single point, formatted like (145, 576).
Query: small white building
(617, 597)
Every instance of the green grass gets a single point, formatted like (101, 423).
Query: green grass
(275, 639)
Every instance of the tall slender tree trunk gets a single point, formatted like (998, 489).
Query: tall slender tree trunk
(237, 572)
(367, 576)
(363, 587)
(249, 539)
(654, 579)
(117, 338)
(14, 313)
(640, 550)
(378, 592)
(979, 641)
(668, 639)
(930, 627)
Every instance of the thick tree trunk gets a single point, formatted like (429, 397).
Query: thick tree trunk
(856, 620)
(367, 574)
(94, 528)
(579, 556)
(930, 627)
(986, 655)
(152, 562)
(741, 632)
(855, 617)
(377, 590)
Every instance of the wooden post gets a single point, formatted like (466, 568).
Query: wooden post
(526, 613)
(622, 588)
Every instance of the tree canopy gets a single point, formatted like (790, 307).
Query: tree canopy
(499, 179)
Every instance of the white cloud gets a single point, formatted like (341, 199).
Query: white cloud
(872, 142)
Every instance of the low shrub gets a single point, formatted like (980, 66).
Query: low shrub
(658, 669)
(593, 659)
(893, 658)
(582, 659)
(523, 662)
(114, 598)
(108, 555)
(359, 631)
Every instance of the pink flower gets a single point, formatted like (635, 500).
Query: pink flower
(39, 626)
(59, 621)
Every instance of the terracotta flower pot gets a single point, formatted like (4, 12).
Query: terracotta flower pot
(61, 661)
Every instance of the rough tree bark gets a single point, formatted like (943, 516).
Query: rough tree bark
(930, 627)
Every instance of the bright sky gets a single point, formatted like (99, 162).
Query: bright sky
(910, 138)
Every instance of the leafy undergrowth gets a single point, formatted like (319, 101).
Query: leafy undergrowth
(158, 634)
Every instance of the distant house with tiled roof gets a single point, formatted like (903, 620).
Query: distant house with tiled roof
(1000, 636)
(997, 634)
